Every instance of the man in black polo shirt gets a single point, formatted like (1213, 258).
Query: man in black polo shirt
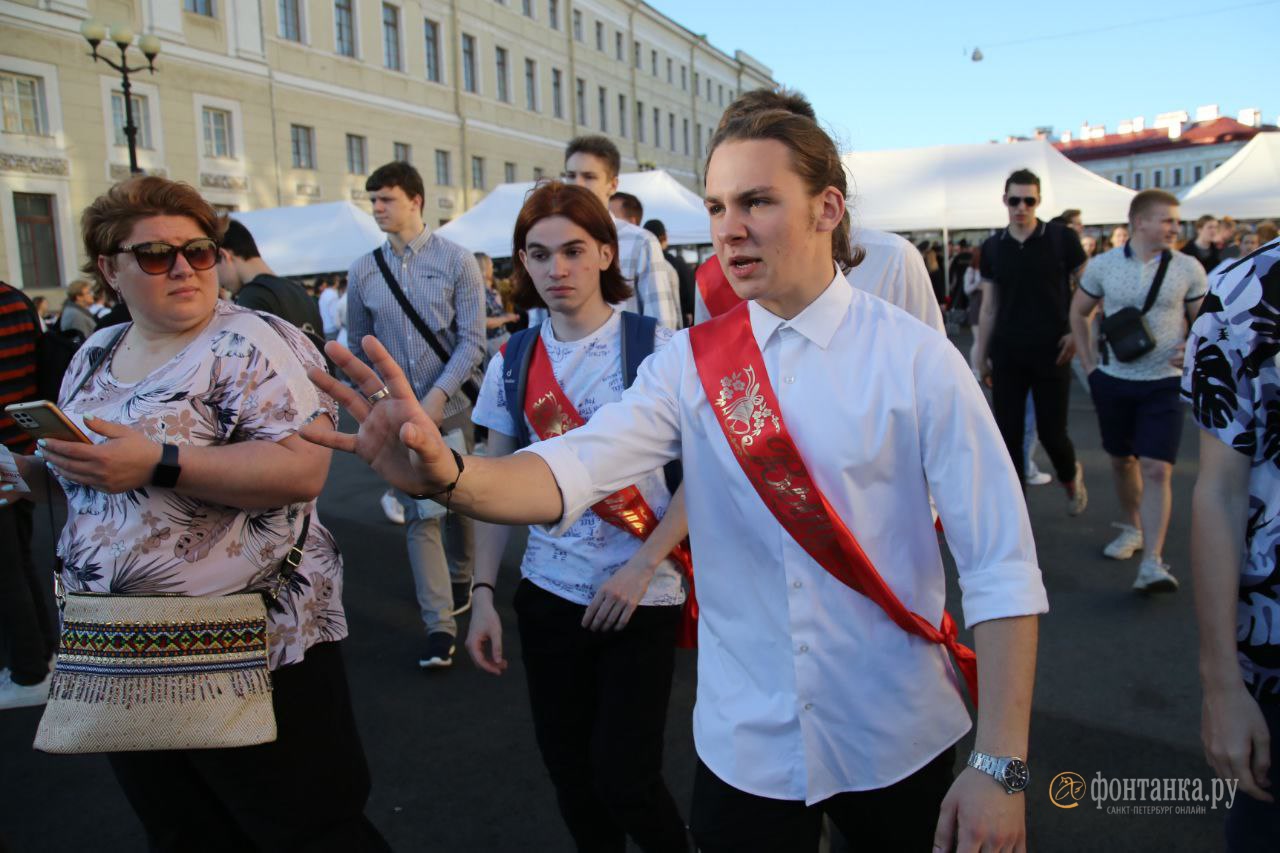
(1024, 338)
(254, 285)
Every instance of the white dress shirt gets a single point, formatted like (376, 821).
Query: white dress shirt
(329, 299)
(806, 688)
(891, 269)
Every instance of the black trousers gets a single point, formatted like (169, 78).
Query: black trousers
(1017, 371)
(306, 791)
(901, 817)
(599, 702)
(26, 614)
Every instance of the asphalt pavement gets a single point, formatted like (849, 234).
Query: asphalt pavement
(455, 767)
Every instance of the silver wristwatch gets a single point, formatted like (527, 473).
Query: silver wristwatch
(1009, 771)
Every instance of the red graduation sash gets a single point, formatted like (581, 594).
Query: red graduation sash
(733, 376)
(717, 294)
(551, 413)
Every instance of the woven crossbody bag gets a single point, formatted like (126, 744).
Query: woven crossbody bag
(162, 671)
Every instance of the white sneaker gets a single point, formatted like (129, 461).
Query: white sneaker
(1124, 546)
(1033, 476)
(1153, 576)
(392, 508)
(22, 695)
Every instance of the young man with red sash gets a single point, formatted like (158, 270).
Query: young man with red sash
(814, 422)
(598, 607)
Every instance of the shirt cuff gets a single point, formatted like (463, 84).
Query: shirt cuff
(572, 478)
(1001, 592)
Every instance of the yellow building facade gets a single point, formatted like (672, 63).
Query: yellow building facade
(266, 103)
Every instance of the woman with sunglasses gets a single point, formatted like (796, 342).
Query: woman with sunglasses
(197, 483)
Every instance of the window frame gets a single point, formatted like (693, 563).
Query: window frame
(477, 172)
(352, 27)
(39, 103)
(299, 20)
(470, 70)
(502, 71)
(402, 148)
(308, 133)
(444, 167)
(431, 51)
(357, 149)
(393, 47)
(206, 112)
(531, 85)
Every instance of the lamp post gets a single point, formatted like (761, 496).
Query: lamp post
(122, 35)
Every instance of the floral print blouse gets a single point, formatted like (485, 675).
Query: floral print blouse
(243, 379)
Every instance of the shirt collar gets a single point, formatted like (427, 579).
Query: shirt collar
(1036, 232)
(415, 245)
(817, 322)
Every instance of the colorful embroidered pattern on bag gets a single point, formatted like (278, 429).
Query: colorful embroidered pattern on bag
(160, 642)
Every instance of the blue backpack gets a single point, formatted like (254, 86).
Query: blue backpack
(637, 344)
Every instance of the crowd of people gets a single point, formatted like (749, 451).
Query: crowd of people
(693, 469)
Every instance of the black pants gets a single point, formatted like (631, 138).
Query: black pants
(1015, 372)
(306, 791)
(25, 609)
(901, 817)
(599, 702)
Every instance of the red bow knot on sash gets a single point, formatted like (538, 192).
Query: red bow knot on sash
(551, 413)
(717, 294)
(731, 367)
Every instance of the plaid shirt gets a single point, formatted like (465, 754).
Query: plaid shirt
(642, 264)
(442, 282)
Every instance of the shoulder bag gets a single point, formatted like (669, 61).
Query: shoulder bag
(1125, 332)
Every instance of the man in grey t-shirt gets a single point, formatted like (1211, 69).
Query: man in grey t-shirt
(1137, 401)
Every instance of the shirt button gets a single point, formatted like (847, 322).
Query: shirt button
(808, 706)
(804, 648)
(797, 584)
(789, 380)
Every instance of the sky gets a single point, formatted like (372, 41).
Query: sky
(898, 74)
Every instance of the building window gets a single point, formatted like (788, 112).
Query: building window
(699, 135)
(1120, 180)
(37, 240)
(671, 131)
(557, 93)
(217, 132)
(443, 176)
(686, 137)
(1197, 173)
(22, 100)
(653, 62)
(538, 173)
(577, 25)
(391, 36)
(1177, 177)
(636, 55)
(526, 6)
(553, 13)
(431, 39)
(1157, 178)
(469, 63)
(1137, 180)
(657, 128)
(720, 86)
(500, 62)
(477, 173)
(622, 115)
(198, 7)
(531, 85)
(600, 36)
(670, 70)
(708, 90)
(684, 78)
(344, 27)
(141, 119)
(302, 140)
(357, 149)
(401, 152)
(509, 173)
(602, 98)
(290, 15)
(580, 93)
(617, 46)
(640, 121)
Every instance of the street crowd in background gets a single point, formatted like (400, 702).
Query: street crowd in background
(489, 400)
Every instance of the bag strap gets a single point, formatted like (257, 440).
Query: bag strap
(1165, 257)
(468, 387)
(96, 361)
(516, 355)
(291, 560)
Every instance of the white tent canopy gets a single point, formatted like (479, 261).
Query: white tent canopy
(1247, 186)
(958, 187)
(312, 239)
(487, 227)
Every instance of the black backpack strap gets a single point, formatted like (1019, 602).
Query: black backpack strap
(96, 361)
(468, 387)
(1154, 291)
(516, 356)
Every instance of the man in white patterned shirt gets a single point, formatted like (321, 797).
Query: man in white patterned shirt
(1137, 400)
(594, 162)
(442, 283)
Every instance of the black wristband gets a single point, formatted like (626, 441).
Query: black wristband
(447, 490)
(166, 473)
(483, 585)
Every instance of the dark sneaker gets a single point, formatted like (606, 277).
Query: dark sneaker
(461, 598)
(440, 649)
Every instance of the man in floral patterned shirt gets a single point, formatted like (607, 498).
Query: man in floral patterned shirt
(1233, 380)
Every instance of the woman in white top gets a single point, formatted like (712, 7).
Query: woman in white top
(598, 610)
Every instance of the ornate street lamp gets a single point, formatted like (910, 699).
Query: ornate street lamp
(122, 35)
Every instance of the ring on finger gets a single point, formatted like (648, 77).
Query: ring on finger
(378, 395)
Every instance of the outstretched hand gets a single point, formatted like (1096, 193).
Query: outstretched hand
(397, 438)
